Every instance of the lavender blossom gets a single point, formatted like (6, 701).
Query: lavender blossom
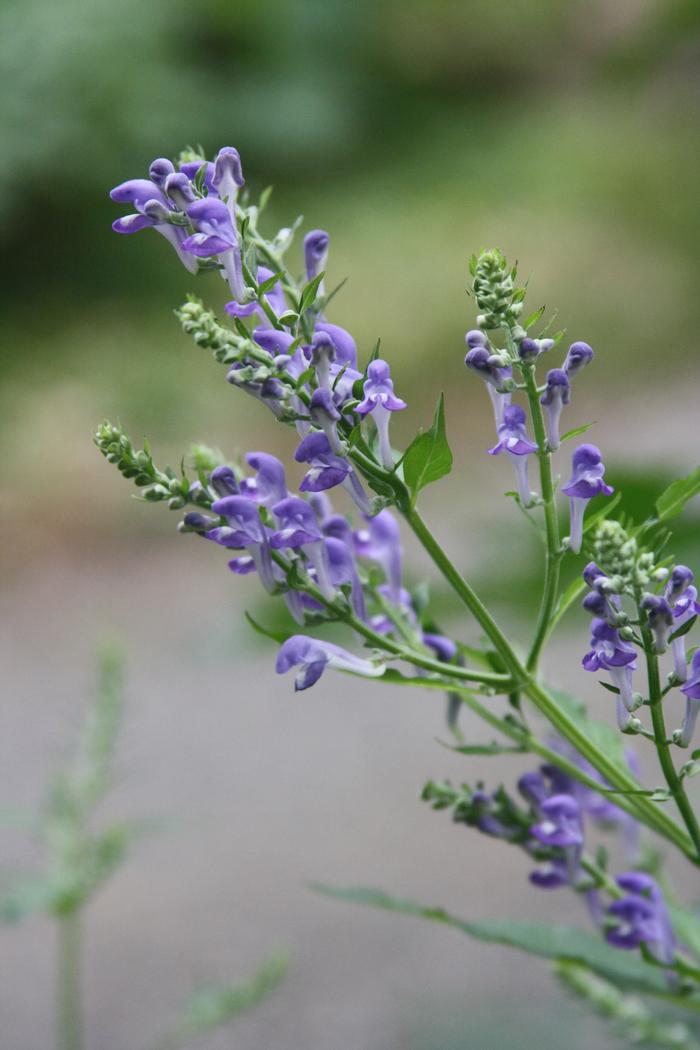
(216, 236)
(586, 482)
(494, 373)
(343, 570)
(641, 917)
(244, 529)
(551, 875)
(680, 579)
(328, 470)
(618, 658)
(530, 349)
(561, 826)
(659, 620)
(316, 245)
(325, 415)
(683, 597)
(556, 395)
(343, 343)
(380, 541)
(223, 482)
(143, 194)
(691, 691)
(269, 486)
(578, 356)
(514, 441)
(312, 657)
(380, 401)
(297, 527)
(227, 177)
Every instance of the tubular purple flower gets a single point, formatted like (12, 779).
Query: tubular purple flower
(325, 415)
(680, 579)
(553, 874)
(556, 395)
(223, 481)
(578, 356)
(586, 482)
(560, 823)
(618, 658)
(530, 349)
(343, 569)
(514, 441)
(328, 470)
(297, 527)
(216, 236)
(659, 620)
(531, 786)
(191, 169)
(641, 917)
(159, 171)
(475, 337)
(380, 401)
(152, 211)
(322, 357)
(178, 189)
(312, 657)
(269, 486)
(316, 245)
(686, 608)
(444, 648)
(479, 360)
(244, 529)
(380, 541)
(691, 691)
(227, 178)
(343, 342)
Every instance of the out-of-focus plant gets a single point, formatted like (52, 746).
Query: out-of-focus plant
(280, 348)
(80, 857)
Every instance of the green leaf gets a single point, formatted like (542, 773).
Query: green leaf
(309, 292)
(541, 939)
(270, 283)
(264, 198)
(485, 749)
(575, 432)
(266, 632)
(602, 513)
(603, 736)
(683, 630)
(610, 688)
(428, 457)
(534, 317)
(672, 501)
(687, 927)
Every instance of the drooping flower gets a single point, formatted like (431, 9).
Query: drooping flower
(244, 529)
(328, 470)
(556, 395)
(691, 691)
(579, 355)
(343, 570)
(143, 194)
(380, 401)
(618, 658)
(297, 527)
(586, 482)
(659, 619)
(316, 245)
(312, 657)
(641, 917)
(513, 440)
(223, 481)
(494, 373)
(269, 486)
(216, 236)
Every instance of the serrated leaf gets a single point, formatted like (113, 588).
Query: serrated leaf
(673, 499)
(266, 632)
(540, 939)
(428, 458)
(309, 292)
(688, 626)
(576, 431)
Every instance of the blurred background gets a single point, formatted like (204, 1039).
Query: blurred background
(416, 132)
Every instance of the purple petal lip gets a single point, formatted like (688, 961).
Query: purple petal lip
(345, 348)
(587, 489)
(234, 309)
(137, 192)
(322, 479)
(191, 167)
(204, 245)
(132, 223)
(296, 538)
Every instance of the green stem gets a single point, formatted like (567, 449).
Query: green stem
(553, 547)
(68, 998)
(675, 784)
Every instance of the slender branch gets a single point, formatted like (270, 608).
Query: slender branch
(553, 551)
(68, 999)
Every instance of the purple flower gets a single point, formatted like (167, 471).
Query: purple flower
(152, 210)
(325, 415)
(616, 657)
(380, 541)
(244, 529)
(343, 570)
(380, 400)
(179, 190)
(328, 470)
(530, 349)
(315, 252)
(475, 337)
(586, 482)
(553, 874)
(444, 648)
(556, 395)
(273, 340)
(579, 355)
(492, 371)
(513, 440)
(322, 354)
(343, 343)
(223, 481)
(560, 824)
(216, 236)
(227, 176)
(641, 917)
(659, 619)
(312, 657)
(680, 579)
(269, 486)
(297, 527)
(691, 690)
(191, 169)
(159, 171)
(683, 597)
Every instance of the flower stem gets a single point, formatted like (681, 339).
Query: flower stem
(553, 547)
(68, 999)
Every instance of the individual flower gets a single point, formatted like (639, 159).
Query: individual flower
(273, 340)
(551, 875)
(618, 658)
(641, 917)
(586, 482)
(343, 570)
(223, 482)
(659, 619)
(683, 597)
(269, 486)
(530, 349)
(494, 373)
(560, 822)
(513, 440)
(245, 529)
(444, 648)
(380, 541)
(578, 356)
(325, 415)
(556, 395)
(322, 353)
(297, 527)
(315, 252)
(274, 298)
(159, 171)
(215, 236)
(328, 470)
(380, 401)
(312, 657)
(227, 177)
(679, 580)
(691, 691)
(143, 194)
(343, 343)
